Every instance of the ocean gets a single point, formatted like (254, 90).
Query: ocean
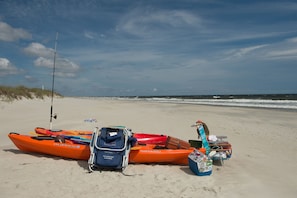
(273, 101)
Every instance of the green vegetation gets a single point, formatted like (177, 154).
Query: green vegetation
(19, 92)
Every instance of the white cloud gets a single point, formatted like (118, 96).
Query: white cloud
(45, 58)
(67, 65)
(93, 35)
(64, 74)
(293, 40)
(247, 50)
(9, 34)
(37, 49)
(142, 23)
(64, 67)
(7, 68)
(238, 53)
(44, 62)
(89, 35)
(283, 53)
(130, 56)
(286, 49)
(172, 18)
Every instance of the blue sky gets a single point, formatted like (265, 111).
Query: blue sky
(150, 47)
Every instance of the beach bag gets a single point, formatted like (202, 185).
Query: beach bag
(199, 163)
(110, 147)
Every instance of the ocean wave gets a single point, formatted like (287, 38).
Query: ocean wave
(257, 103)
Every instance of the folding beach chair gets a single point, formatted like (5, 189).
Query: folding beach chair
(110, 148)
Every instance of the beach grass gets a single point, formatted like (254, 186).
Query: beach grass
(9, 94)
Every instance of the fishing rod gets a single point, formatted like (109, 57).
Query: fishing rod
(53, 84)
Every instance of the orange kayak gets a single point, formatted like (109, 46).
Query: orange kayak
(150, 154)
(48, 145)
(68, 149)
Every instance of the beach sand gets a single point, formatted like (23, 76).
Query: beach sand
(263, 163)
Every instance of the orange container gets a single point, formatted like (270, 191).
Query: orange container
(202, 150)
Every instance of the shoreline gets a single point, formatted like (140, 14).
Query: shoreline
(152, 101)
(227, 106)
(187, 103)
(257, 136)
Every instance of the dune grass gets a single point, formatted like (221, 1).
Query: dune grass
(17, 93)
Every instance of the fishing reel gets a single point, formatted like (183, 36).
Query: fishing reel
(55, 116)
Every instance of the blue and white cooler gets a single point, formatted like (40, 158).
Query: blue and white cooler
(199, 163)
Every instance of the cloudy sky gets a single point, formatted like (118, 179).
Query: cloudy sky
(150, 47)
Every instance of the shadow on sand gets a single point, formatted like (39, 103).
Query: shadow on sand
(81, 163)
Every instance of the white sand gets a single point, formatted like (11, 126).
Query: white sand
(263, 164)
